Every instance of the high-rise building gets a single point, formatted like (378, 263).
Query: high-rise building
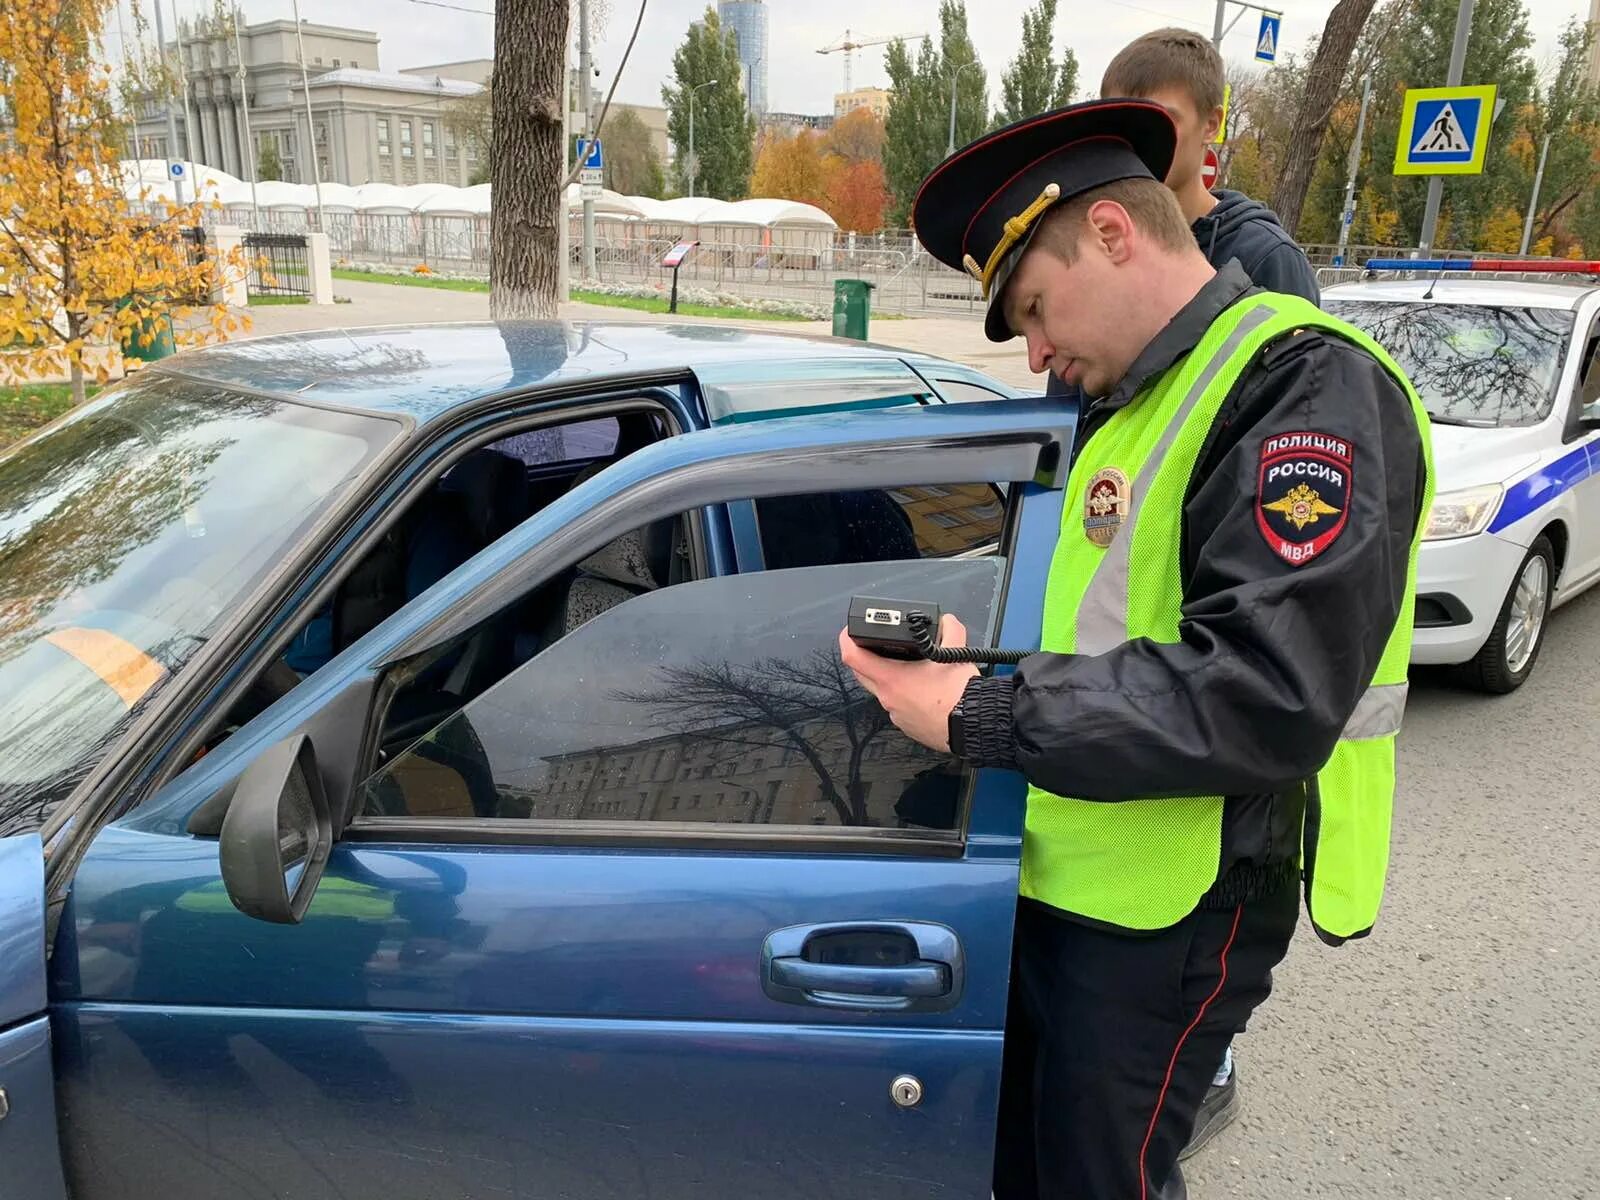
(748, 20)
(1592, 78)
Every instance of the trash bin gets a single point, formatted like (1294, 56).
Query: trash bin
(150, 339)
(852, 307)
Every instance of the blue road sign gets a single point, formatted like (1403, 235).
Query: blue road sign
(175, 170)
(590, 154)
(1444, 131)
(1267, 39)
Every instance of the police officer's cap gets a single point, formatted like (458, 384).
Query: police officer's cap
(978, 210)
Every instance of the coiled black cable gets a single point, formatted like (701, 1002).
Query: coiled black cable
(922, 629)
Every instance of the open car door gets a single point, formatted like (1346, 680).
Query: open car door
(30, 1153)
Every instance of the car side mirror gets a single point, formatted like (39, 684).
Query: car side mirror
(277, 835)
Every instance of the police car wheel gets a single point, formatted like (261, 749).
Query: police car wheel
(1507, 658)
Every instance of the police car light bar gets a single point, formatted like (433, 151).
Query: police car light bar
(1563, 267)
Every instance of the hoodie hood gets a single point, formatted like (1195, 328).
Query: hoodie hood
(1239, 227)
(1247, 231)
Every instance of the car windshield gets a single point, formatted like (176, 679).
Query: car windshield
(1472, 364)
(128, 533)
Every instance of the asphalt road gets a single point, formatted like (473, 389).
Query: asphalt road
(1454, 1053)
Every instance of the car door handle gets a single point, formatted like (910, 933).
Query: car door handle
(909, 966)
(917, 980)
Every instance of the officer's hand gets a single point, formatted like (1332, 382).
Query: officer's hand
(918, 696)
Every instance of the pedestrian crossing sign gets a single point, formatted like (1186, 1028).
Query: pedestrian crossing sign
(1267, 39)
(1445, 131)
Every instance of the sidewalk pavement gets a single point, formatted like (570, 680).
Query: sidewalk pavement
(956, 338)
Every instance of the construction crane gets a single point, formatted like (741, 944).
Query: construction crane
(849, 45)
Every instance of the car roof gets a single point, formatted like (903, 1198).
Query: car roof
(1480, 291)
(424, 371)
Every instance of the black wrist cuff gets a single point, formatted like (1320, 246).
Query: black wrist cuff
(984, 714)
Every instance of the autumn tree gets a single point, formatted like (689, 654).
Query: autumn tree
(790, 167)
(82, 270)
(1566, 109)
(632, 165)
(706, 72)
(857, 137)
(917, 131)
(1035, 82)
(527, 157)
(857, 196)
(1325, 80)
(1408, 44)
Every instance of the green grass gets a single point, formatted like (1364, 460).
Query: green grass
(646, 304)
(422, 281)
(269, 301)
(636, 303)
(23, 409)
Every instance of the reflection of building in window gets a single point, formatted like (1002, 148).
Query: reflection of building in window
(671, 778)
(954, 518)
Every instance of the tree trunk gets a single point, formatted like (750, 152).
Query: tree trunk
(1339, 38)
(74, 337)
(527, 157)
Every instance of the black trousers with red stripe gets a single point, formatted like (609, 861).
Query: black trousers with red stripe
(1112, 1039)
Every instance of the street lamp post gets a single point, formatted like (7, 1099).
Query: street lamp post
(311, 127)
(1533, 202)
(954, 77)
(694, 167)
(249, 139)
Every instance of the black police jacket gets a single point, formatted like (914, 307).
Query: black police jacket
(1285, 650)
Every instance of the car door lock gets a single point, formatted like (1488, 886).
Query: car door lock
(906, 1091)
(909, 629)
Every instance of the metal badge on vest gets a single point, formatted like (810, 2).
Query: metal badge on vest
(1105, 505)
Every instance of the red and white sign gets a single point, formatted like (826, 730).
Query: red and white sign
(1209, 168)
(678, 253)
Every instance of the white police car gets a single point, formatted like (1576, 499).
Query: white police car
(1506, 368)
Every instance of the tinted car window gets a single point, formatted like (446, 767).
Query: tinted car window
(932, 521)
(561, 443)
(718, 702)
(1477, 364)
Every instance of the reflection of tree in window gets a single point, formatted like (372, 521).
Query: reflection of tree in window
(813, 707)
(1490, 364)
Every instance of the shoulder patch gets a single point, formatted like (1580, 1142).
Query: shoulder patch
(1303, 493)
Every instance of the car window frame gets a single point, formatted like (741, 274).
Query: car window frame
(649, 836)
(417, 467)
(1587, 349)
(1026, 441)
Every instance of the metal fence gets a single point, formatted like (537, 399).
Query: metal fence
(280, 264)
(750, 264)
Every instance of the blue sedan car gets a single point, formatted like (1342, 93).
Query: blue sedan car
(427, 771)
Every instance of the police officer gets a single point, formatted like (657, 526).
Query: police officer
(1227, 622)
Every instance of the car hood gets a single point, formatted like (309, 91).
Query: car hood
(1465, 457)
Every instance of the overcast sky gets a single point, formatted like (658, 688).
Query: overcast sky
(413, 33)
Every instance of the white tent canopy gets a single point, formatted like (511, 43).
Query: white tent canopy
(438, 200)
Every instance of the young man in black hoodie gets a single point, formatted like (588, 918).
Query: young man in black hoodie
(1182, 72)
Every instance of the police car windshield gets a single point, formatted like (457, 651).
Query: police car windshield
(128, 535)
(1472, 364)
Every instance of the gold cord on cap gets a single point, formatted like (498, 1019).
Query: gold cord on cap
(1015, 229)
